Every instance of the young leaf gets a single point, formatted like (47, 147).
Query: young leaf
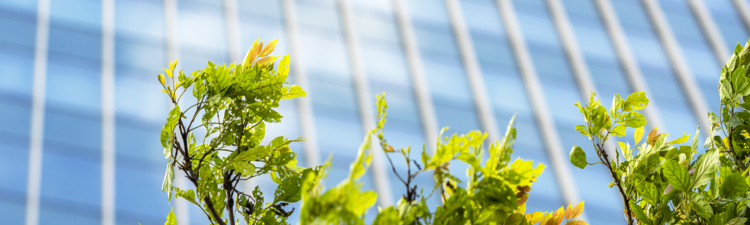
(582, 129)
(171, 219)
(680, 140)
(638, 135)
(578, 157)
(577, 211)
(618, 130)
(269, 48)
(652, 136)
(636, 101)
(293, 91)
(633, 119)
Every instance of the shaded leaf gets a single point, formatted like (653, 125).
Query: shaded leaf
(578, 157)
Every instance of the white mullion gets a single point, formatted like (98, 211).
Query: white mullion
(304, 105)
(628, 60)
(36, 142)
(233, 30)
(575, 57)
(534, 90)
(710, 30)
(679, 64)
(366, 109)
(418, 78)
(743, 8)
(108, 112)
(473, 70)
(568, 39)
(182, 211)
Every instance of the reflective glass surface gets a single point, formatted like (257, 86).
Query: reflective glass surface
(140, 53)
(388, 72)
(560, 90)
(696, 49)
(71, 171)
(443, 67)
(336, 113)
(18, 22)
(729, 22)
(508, 96)
(666, 92)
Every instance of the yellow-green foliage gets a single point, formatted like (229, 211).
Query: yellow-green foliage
(233, 104)
(665, 182)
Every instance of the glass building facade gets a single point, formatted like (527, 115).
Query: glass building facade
(81, 109)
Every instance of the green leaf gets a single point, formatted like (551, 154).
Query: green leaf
(617, 104)
(254, 154)
(578, 157)
(642, 217)
(633, 119)
(676, 175)
(737, 221)
(515, 219)
(618, 130)
(166, 131)
(187, 195)
(243, 167)
(680, 140)
(387, 216)
(582, 129)
(638, 135)
(168, 178)
(700, 205)
(705, 168)
(733, 185)
(171, 219)
(290, 189)
(649, 192)
(362, 162)
(735, 121)
(636, 101)
(293, 91)
(469, 159)
(740, 82)
(695, 138)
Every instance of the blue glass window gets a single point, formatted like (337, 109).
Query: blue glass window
(140, 109)
(560, 91)
(18, 20)
(508, 95)
(387, 71)
(695, 48)
(446, 78)
(71, 177)
(656, 69)
(728, 21)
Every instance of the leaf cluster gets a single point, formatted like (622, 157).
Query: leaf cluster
(495, 192)
(216, 142)
(668, 182)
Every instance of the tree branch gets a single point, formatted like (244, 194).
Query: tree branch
(210, 206)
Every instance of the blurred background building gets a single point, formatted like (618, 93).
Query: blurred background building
(81, 108)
